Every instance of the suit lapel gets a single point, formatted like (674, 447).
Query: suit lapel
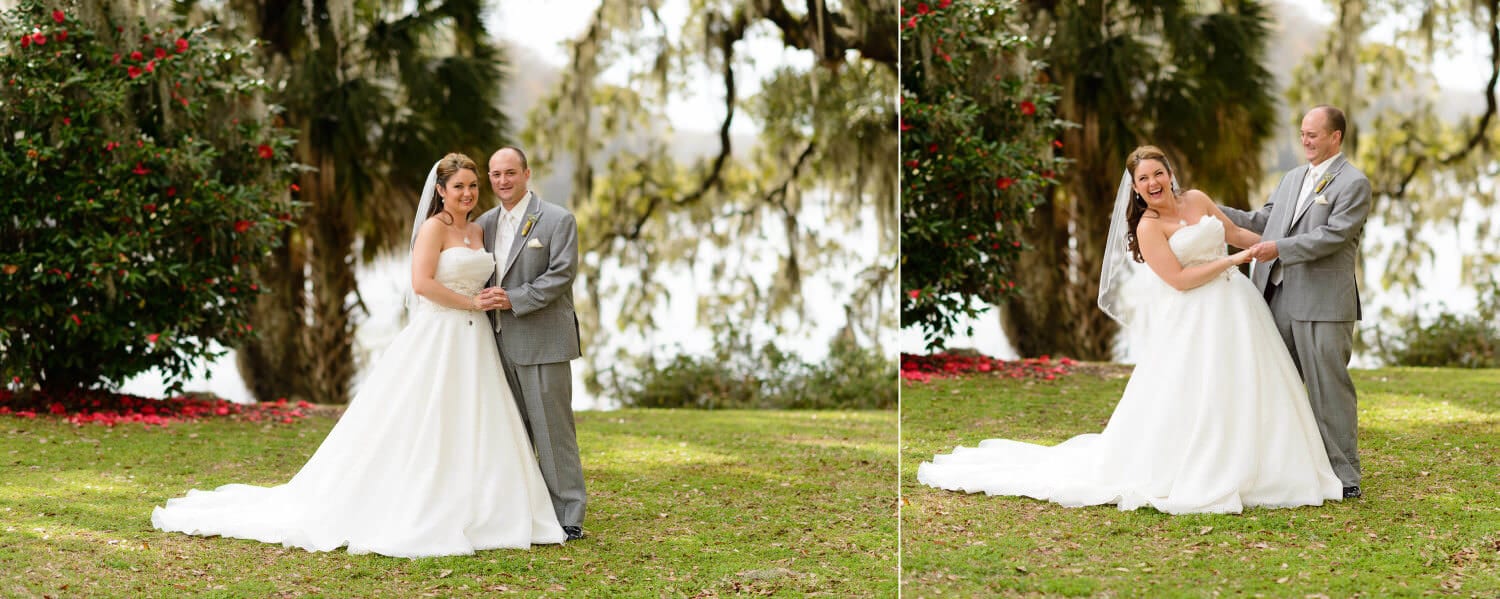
(1333, 171)
(528, 226)
(487, 228)
(1286, 201)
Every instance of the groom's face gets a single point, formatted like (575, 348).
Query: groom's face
(508, 178)
(1319, 141)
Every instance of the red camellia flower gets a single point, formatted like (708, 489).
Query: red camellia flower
(151, 67)
(922, 8)
(171, 191)
(932, 148)
(1004, 182)
(136, 55)
(76, 320)
(1057, 143)
(915, 293)
(160, 52)
(39, 38)
(111, 146)
(182, 45)
(153, 337)
(912, 163)
(116, 58)
(1047, 174)
(1027, 108)
(140, 169)
(241, 226)
(911, 23)
(149, 208)
(67, 121)
(265, 151)
(945, 3)
(58, 16)
(296, 188)
(133, 71)
(62, 36)
(25, 41)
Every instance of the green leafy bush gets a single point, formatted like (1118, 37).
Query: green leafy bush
(142, 182)
(1450, 340)
(739, 376)
(979, 149)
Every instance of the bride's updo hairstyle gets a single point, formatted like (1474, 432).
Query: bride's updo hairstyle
(1137, 207)
(450, 164)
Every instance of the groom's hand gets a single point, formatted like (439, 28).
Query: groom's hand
(487, 299)
(1264, 251)
(502, 299)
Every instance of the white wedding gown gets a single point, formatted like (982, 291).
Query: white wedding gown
(1214, 418)
(430, 458)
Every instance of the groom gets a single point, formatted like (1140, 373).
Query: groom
(536, 254)
(1310, 231)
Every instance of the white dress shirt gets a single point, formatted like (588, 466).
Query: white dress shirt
(505, 236)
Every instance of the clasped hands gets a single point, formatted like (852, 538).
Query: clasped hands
(492, 298)
(1263, 251)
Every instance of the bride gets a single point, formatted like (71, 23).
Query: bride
(431, 457)
(1214, 418)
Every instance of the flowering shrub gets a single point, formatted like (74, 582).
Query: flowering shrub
(143, 182)
(108, 409)
(920, 369)
(978, 145)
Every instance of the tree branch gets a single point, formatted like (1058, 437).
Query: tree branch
(837, 34)
(1479, 137)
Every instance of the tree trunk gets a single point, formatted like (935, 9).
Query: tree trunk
(328, 344)
(272, 362)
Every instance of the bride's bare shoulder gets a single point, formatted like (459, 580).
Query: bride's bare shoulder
(1197, 196)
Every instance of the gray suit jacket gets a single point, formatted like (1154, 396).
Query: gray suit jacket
(1319, 248)
(540, 327)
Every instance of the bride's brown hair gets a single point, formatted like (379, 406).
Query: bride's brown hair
(450, 164)
(1137, 207)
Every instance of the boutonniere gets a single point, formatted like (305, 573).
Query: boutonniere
(1321, 199)
(526, 228)
(1321, 184)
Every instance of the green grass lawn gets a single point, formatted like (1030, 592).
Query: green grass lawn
(681, 503)
(1429, 522)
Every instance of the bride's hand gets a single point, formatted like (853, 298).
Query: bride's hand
(1240, 257)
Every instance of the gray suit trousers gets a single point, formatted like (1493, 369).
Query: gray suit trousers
(1321, 351)
(544, 393)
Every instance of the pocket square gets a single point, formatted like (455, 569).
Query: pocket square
(1322, 199)
(536, 243)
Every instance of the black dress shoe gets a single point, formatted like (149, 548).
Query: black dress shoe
(574, 532)
(1349, 493)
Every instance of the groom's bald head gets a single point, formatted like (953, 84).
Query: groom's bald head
(1333, 119)
(1322, 133)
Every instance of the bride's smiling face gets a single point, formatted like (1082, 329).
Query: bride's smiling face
(1153, 181)
(460, 192)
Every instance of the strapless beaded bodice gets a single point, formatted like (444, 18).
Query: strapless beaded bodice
(463, 270)
(1199, 242)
